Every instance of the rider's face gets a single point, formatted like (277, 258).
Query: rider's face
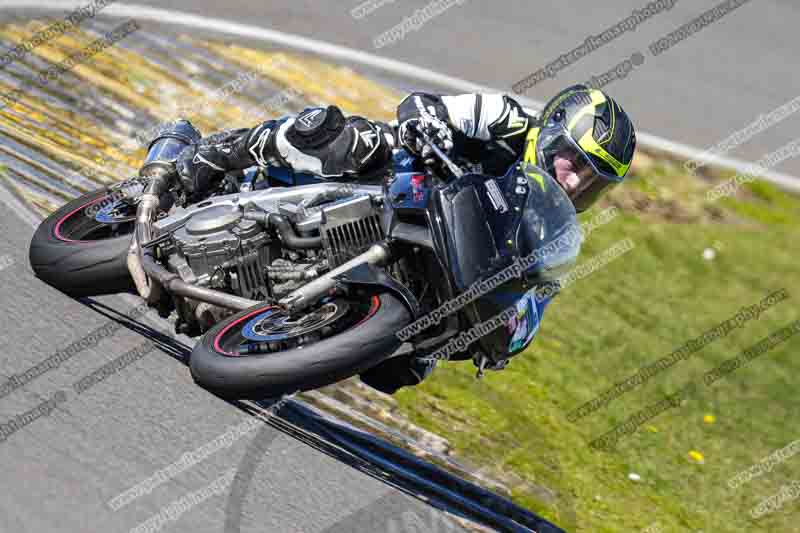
(573, 179)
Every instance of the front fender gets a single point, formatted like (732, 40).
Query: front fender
(373, 279)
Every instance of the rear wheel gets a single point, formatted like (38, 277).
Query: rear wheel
(82, 248)
(262, 352)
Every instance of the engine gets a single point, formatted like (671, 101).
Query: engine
(253, 248)
(218, 248)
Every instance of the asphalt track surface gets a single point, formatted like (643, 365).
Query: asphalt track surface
(699, 92)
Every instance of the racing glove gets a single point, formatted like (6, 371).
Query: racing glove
(416, 121)
(203, 164)
(413, 131)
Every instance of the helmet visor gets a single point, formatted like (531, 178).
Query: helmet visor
(595, 176)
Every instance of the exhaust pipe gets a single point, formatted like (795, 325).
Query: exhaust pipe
(142, 233)
(174, 284)
(149, 276)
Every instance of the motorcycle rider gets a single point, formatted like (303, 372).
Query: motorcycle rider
(582, 137)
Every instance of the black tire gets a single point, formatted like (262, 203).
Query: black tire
(80, 267)
(314, 365)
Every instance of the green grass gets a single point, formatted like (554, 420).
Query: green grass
(605, 327)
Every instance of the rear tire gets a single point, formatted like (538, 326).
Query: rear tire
(309, 366)
(81, 266)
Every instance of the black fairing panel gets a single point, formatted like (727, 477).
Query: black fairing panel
(487, 223)
(471, 246)
(479, 217)
(477, 225)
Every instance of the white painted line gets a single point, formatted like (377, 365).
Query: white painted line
(392, 66)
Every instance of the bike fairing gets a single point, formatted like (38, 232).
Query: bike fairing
(524, 217)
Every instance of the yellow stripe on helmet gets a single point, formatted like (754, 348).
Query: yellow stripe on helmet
(589, 145)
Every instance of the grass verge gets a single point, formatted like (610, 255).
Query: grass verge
(695, 264)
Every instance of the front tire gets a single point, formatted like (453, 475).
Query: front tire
(216, 366)
(79, 256)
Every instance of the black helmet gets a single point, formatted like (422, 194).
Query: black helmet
(594, 129)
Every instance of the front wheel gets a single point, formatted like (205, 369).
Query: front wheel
(261, 352)
(82, 248)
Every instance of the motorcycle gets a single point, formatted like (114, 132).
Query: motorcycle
(293, 282)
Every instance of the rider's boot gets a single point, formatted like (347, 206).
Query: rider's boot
(398, 372)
